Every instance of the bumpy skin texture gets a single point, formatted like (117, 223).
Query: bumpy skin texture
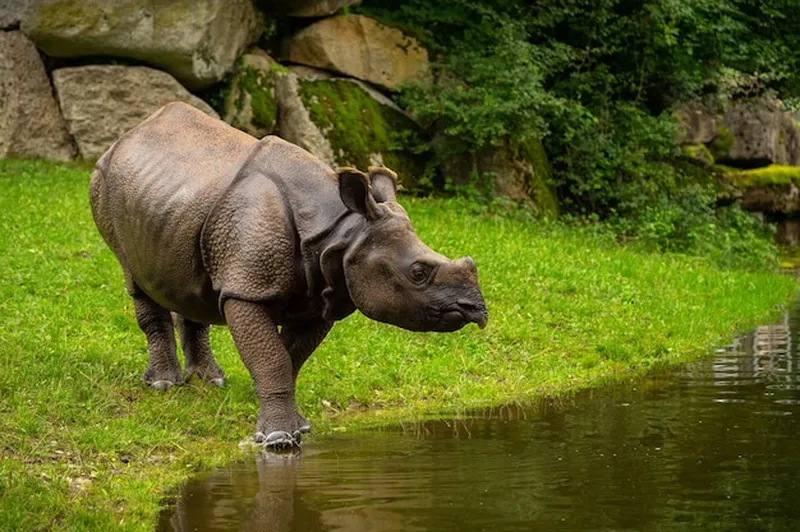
(216, 227)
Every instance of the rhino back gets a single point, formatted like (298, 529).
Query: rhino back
(307, 185)
(160, 181)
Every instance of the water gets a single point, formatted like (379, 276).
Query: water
(711, 446)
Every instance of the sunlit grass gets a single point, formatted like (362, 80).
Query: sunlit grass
(84, 445)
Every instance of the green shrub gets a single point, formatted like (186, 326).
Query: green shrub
(595, 81)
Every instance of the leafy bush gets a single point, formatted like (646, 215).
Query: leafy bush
(596, 80)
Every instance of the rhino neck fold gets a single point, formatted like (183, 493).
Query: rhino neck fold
(327, 258)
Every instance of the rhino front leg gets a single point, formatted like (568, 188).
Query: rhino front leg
(256, 337)
(197, 349)
(300, 341)
(163, 369)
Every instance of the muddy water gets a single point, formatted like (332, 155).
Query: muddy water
(711, 446)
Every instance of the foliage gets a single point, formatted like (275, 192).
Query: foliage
(595, 80)
(85, 446)
(689, 222)
(483, 94)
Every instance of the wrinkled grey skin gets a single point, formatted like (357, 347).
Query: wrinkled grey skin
(216, 227)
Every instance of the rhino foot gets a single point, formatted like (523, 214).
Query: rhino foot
(162, 385)
(162, 379)
(208, 372)
(302, 424)
(278, 440)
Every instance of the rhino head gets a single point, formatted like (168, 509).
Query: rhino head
(391, 275)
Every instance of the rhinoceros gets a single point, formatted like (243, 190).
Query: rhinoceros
(212, 226)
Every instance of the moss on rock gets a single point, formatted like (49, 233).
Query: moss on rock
(774, 174)
(249, 101)
(771, 189)
(361, 130)
(539, 182)
(721, 145)
(259, 86)
(698, 153)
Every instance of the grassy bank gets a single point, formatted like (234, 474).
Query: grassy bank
(84, 445)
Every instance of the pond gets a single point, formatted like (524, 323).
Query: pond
(714, 445)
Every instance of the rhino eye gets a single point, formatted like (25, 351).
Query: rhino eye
(419, 272)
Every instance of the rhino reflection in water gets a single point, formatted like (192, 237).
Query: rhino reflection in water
(217, 227)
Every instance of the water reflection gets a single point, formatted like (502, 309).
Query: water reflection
(711, 446)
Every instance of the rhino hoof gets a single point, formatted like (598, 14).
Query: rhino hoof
(278, 440)
(162, 385)
(219, 381)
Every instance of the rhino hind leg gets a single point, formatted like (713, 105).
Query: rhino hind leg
(163, 369)
(197, 350)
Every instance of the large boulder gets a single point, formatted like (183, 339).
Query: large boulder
(11, 12)
(758, 132)
(773, 189)
(30, 122)
(360, 47)
(306, 8)
(249, 101)
(696, 124)
(196, 41)
(101, 102)
(341, 123)
(519, 171)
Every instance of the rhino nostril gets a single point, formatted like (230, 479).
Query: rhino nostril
(468, 306)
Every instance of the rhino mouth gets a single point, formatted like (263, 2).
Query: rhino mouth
(457, 316)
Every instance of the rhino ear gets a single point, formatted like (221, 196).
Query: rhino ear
(355, 193)
(384, 184)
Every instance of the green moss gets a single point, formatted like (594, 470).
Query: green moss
(722, 143)
(248, 99)
(358, 127)
(772, 175)
(540, 184)
(279, 69)
(699, 153)
(169, 15)
(261, 88)
(55, 17)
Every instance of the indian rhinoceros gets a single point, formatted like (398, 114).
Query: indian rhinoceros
(217, 227)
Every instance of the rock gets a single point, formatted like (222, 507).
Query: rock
(520, 172)
(30, 122)
(307, 73)
(772, 189)
(360, 47)
(761, 133)
(341, 123)
(306, 8)
(697, 153)
(11, 12)
(776, 199)
(196, 41)
(250, 103)
(697, 125)
(310, 73)
(101, 102)
(295, 124)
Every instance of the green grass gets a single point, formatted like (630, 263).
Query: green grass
(84, 445)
